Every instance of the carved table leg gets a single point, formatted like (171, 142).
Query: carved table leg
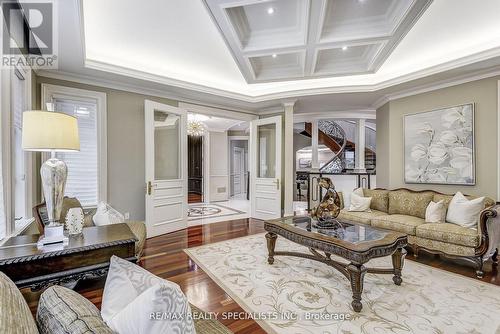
(271, 243)
(398, 258)
(356, 276)
(495, 257)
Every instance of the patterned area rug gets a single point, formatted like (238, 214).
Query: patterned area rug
(296, 295)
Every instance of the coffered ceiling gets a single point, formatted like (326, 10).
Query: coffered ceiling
(300, 39)
(175, 49)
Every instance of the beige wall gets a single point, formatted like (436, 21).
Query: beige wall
(484, 93)
(126, 143)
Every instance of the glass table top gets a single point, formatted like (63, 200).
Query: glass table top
(344, 230)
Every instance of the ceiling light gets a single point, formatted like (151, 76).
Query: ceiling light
(270, 10)
(274, 55)
(195, 128)
(344, 48)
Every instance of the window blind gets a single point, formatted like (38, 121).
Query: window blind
(83, 169)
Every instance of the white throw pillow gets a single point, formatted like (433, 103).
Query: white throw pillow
(136, 301)
(463, 212)
(435, 212)
(360, 203)
(359, 192)
(106, 215)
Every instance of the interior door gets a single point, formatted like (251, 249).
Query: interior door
(166, 168)
(266, 168)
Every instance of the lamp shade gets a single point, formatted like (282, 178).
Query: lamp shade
(50, 131)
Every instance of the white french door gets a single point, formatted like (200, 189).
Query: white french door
(166, 168)
(266, 168)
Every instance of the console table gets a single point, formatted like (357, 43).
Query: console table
(86, 256)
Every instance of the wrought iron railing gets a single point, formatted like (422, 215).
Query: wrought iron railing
(336, 164)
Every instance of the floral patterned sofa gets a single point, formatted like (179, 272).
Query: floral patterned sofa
(404, 210)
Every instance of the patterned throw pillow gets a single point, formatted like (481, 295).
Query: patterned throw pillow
(380, 199)
(136, 301)
(405, 202)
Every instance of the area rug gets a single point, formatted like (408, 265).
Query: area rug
(201, 210)
(296, 295)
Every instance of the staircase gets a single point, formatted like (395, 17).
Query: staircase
(333, 136)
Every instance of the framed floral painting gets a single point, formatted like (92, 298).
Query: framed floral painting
(439, 146)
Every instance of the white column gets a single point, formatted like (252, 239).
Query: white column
(314, 145)
(359, 152)
(289, 178)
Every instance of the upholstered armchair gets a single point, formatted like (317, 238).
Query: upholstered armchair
(137, 227)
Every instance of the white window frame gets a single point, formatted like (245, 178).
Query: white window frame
(7, 153)
(49, 92)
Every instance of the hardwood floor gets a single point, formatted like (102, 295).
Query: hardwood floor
(164, 257)
(195, 198)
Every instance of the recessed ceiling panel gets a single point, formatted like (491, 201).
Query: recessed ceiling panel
(276, 66)
(356, 19)
(328, 38)
(342, 60)
(269, 24)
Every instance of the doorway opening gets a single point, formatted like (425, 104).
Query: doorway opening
(195, 169)
(217, 169)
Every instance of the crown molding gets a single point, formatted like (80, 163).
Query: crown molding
(119, 85)
(344, 114)
(484, 74)
(450, 65)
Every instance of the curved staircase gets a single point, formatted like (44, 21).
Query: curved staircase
(333, 136)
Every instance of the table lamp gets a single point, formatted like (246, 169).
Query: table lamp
(49, 131)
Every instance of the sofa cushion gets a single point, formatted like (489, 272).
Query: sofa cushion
(405, 202)
(15, 315)
(450, 233)
(61, 311)
(444, 247)
(401, 223)
(380, 199)
(360, 217)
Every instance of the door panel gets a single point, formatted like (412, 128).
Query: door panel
(266, 166)
(166, 168)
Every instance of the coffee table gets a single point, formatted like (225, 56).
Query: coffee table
(357, 243)
(86, 256)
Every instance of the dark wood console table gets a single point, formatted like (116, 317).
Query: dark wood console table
(86, 256)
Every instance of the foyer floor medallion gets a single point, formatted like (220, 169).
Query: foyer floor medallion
(201, 210)
(297, 295)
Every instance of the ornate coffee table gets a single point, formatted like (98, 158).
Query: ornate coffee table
(352, 241)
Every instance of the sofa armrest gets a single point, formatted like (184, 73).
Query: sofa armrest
(61, 310)
(487, 235)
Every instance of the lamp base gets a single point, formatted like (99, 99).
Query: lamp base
(54, 235)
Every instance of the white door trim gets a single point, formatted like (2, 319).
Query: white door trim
(255, 181)
(182, 183)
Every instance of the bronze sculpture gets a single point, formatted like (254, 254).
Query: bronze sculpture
(329, 206)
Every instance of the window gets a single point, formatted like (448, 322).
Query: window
(86, 168)
(16, 196)
(18, 156)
